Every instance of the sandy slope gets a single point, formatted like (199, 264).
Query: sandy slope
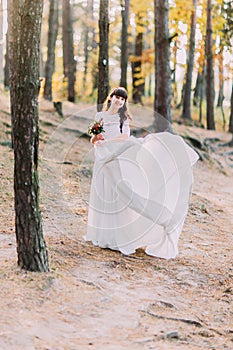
(99, 299)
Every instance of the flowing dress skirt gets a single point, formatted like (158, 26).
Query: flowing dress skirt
(140, 194)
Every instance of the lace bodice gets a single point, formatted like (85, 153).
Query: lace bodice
(112, 125)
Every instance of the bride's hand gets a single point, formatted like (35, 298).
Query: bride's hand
(97, 138)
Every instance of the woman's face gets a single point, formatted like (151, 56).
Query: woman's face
(117, 101)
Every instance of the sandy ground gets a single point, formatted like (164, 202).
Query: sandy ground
(96, 298)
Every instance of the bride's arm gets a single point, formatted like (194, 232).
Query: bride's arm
(121, 137)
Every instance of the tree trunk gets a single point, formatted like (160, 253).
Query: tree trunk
(221, 80)
(103, 61)
(202, 90)
(138, 78)
(181, 96)
(163, 93)
(24, 20)
(124, 43)
(173, 78)
(1, 44)
(69, 64)
(6, 67)
(231, 112)
(186, 114)
(87, 32)
(209, 70)
(52, 38)
(94, 56)
(149, 91)
(196, 95)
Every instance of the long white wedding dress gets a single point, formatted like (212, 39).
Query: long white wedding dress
(140, 191)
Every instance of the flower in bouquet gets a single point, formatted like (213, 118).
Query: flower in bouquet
(96, 127)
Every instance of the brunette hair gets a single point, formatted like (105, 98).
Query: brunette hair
(124, 110)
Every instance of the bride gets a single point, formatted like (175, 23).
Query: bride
(140, 186)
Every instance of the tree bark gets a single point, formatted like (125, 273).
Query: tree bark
(52, 38)
(181, 96)
(6, 66)
(196, 95)
(138, 78)
(24, 21)
(202, 90)
(87, 41)
(173, 78)
(221, 80)
(163, 91)
(186, 114)
(231, 112)
(1, 43)
(69, 63)
(124, 43)
(103, 61)
(209, 70)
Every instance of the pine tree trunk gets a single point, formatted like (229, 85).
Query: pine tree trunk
(182, 95)
(87, 43)
(173, 79)
(196, 95)
(69, 64)
(24, 20)
(103, 61)
(209, 70)
(221, 80)
(149, 92)
(52, 37)
(6, 67)
(201, 91)
(163, 93)
(138, 78)
(124, 43)
(93, 57)
(1, 43)
(186, 114)
(231, 113)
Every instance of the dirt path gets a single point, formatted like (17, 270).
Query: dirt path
(99, 299)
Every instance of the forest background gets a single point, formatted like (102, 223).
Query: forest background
(71, 63)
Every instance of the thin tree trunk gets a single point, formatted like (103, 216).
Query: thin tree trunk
(1, 43)
(231, 113)
(182, 95)
(94, 59)
(221, 85)
(201, 92)
(103, 62)
(124, 43)
(196, 95)
(149, 92)
(88, 31)
(221, 80)
(209, 70)
(138, 78)
(69, 64)
(24, 20)
(163, 93)
(6, 67)
(52, 38)
(186, 114)
(173, 79)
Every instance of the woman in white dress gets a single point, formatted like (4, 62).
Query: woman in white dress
(140, 186)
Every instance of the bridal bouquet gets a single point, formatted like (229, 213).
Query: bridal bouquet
(96, 127)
